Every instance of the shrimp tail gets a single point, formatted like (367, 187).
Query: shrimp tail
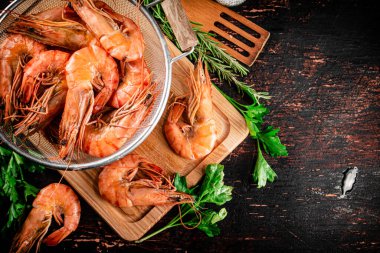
(57, 236)
(104, 95)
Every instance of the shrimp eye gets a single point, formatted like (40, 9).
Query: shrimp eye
(176, 199)
(63, 142)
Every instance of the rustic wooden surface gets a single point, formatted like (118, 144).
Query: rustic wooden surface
(321, 65)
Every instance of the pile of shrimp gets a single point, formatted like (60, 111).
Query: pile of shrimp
(79, 70)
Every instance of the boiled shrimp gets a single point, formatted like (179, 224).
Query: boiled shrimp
(128, 28)
(135, 73)
(61, 13)
(195, 137)
(53, 14)
(52, 201)
(44, 84)
(136, 76)
(43, 111)
(87, 68)
(15, 52)
(47, 68)
(66, 33)
(116, 128)
(122, 40)
(134, 181)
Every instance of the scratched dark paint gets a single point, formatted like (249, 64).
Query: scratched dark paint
(321, 65)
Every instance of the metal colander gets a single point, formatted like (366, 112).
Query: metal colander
(40, 149)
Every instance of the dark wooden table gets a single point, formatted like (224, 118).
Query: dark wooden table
(321, 65)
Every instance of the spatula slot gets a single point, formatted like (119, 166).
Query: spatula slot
(228, 43)
(239, 24)
(234, 34)
(244, 39)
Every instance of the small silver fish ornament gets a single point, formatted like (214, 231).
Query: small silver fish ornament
(349, 181)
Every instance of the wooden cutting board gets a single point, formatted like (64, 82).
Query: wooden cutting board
(132, 223)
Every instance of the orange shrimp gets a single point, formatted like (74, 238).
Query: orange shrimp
(134, 181)
(53, 14)
(87, 68)
(196, 138)
(52, 201)
(45, 70)
(104, 140)
(128, 28)
(122, 41)
(136, 74)
(15, 52)
(61, 13)
(66, 33)
(136, 77)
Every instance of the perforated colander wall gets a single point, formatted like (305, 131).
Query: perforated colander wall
(156, 55)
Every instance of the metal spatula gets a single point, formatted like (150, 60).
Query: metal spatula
(217, 19)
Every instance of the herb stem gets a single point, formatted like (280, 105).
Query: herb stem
(173, 223)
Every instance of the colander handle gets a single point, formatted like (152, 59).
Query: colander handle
(180, 24)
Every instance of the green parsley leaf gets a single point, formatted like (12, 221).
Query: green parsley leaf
(181, 184)
(263, 172)
(272, 143)
(15, 192)
(34, 168)
(5, 152)
(29, 190)
(209, 221)
(213, 189)
(18, 159)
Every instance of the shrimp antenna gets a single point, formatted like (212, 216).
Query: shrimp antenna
(197, 213)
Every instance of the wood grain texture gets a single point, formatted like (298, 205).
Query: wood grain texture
(210, 15)
(322, 67)
(132, 223)
(180, 24)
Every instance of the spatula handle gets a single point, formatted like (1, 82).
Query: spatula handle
(180, 24)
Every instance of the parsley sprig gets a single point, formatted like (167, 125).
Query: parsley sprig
(15, 192)
(266, 137)
(212, 191)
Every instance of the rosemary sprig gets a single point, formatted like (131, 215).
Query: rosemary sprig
(215, 55)
(216, 59)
